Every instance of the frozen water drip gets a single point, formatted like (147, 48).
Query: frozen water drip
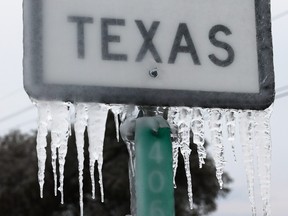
(217, 141)
(56, 117)
(247, 133)
(97, 116)
(197, 126)
(230, 116)
(81, 122)
(172, 120)
(44, 120)
(264, 153)
(183, 124)
(60, 131)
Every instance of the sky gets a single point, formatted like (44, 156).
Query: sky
(16, 110)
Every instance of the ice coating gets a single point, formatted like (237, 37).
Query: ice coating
(183, 124)
(56, 117)
(172, 119)
(197, 126)
(116, 110)
(97, 116)
(60, 131)
(44, 118)
(128, 121)
(264, 153)
(247, 133)
(230, 117)
(127, 130)
(215, 125)
(80, 125)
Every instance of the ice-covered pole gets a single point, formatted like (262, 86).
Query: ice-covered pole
(150, 167)
(154, 174)
(127, 130)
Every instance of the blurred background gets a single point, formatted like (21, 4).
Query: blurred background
(18, 164)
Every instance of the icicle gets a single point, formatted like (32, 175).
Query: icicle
(129, 112)
(97, 116)
(172, 119)
(186, 151)
(247, 126)
(54, 147)
(116, 110)
(185, 116)
(44, 119)
(264, 150)
(80, 126)
(197, 126)
(127, 130)
(128, 117)
(230, 116)
(217, 141)
(179, 119)
(131, 151)
(60, 131)
(153, 110)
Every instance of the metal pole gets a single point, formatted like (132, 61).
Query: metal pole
(153, 171)
(150, 167)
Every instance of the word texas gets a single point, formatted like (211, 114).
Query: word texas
(183, 42)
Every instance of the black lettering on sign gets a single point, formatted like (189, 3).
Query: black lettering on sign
(148, 44)
(80, 21)
(212, 37)
(107, 38)
(183, 32)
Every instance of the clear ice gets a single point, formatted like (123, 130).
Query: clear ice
(116, 110)
(172, 119)
(80, 125)
(197, 126)
(264, 153)
(128, 123)
(60, 131)
(97, 116)
(44, 118)
(230, 116)
(56, 117)
(215, 124)
(247, 134)
(128, 116)
(183, 124)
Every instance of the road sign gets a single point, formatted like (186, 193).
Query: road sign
(212, 53)
(154, 174)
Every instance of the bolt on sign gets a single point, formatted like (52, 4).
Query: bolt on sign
(212, 53)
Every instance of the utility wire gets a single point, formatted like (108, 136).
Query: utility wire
(18, 126)
(283, 88)
(16, 113)
(26, 123)
(278, 96)
(282, 95)
(285, 94)
(278, 16)
(10, 94)
(281, 92)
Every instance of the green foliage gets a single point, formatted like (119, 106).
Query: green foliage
(19, 189)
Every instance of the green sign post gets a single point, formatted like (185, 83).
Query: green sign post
(154, 174)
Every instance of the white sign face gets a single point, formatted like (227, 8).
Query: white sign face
(183, 46)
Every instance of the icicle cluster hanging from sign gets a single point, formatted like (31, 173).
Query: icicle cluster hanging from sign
(55, 116)
(252, 124)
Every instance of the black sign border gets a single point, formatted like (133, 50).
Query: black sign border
(33, 68)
